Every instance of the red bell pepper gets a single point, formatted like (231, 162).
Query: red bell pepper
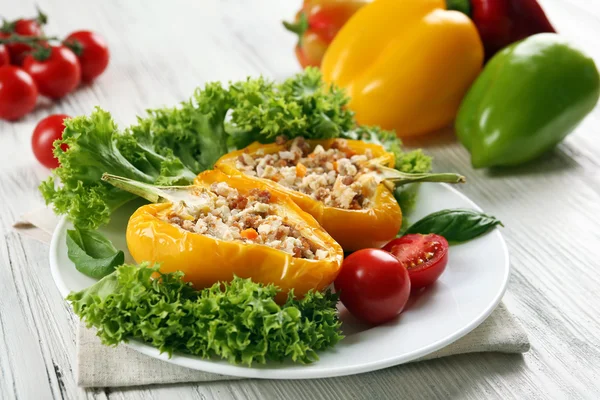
(502, 22)
(316, 25)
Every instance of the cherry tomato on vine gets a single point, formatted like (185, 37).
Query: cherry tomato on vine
(57, 75)
(22, 27)
(45, 133)
(4, 55)
(424, 256)
(18, 92)
(373, 285)
(93, 56)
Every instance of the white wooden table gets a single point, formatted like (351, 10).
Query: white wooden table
(161, 51)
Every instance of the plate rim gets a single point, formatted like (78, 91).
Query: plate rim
(197, 363)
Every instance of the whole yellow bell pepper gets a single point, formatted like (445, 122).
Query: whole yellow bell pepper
(406, 64)
(206, 260)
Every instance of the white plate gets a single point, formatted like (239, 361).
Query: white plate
(465, 295)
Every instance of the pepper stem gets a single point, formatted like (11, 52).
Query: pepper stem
(464, 6)
(393, 177)
(152, 193)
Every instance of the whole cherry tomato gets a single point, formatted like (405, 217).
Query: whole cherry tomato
(373, 285)
(18, 92)
(93, 54)
(45, 133)
(424, 256)
(58, 74)
(4, 55)
(22, 27)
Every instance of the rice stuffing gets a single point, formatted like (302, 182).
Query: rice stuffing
(337, 177)
(223, 213)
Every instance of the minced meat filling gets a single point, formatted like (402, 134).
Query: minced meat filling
(223, 213)
(337, 177)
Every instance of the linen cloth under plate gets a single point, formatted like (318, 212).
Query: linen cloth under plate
(103, 366)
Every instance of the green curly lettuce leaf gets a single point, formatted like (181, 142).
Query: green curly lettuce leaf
(237, 321)
(194, 133)
(94, 146)
(300, 106)
(414, 161)
(170, 146)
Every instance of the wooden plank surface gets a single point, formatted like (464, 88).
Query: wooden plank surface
(161, 51)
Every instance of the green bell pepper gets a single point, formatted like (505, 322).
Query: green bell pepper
(529, 97)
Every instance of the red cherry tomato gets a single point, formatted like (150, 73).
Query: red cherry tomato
(56, 76)
(45, 133)
(23, 27)
(4, 55)
(28, 27)
(373, 285)
(94, 55)
(424, 256)
(18, 92)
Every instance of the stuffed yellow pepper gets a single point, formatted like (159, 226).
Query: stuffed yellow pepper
(344, 184)
(224, 226)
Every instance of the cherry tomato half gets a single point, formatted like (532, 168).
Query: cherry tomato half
(45, 133)
(94, 55)
(18, 92)
(56, 76)
(23, 27)
(424, 256)
(373, 285)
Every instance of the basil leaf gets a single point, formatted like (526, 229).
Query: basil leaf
(456, 225)
(92, 254)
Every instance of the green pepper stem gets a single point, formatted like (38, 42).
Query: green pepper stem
(464, 6)
(401, 178)
(152, 193)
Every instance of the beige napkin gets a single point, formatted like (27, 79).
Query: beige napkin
(102, 366)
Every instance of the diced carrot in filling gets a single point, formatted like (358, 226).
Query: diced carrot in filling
(277, 177)
(338, 177)
(223, 213)
(249, 233)
(301, 170)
